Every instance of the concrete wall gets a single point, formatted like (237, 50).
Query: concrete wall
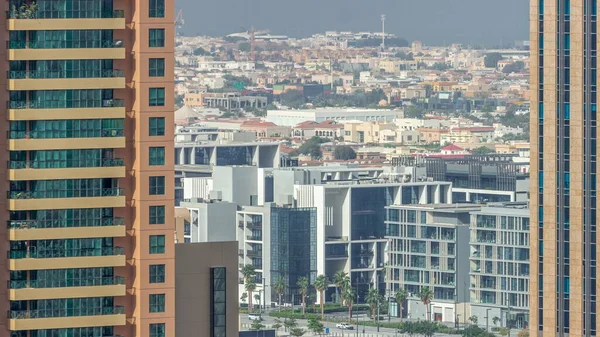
(237, 183)
(193, 262)
(219, 221)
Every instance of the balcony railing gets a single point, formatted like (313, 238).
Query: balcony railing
(71, 312)
(254, 253)
(71, 74)
(39, 134)
(65, 44)
(23, 13)
(105, 192)
(33, 253)
(254, 237)
(103, 103)
(78, 282)
(36, 224)
(36, 164)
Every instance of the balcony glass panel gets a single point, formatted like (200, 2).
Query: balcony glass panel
(69, 307)
(63, 9)
(60, 39)
(65, 188)
(84, 217)
(42, 249)
(67, 159)
(71, 128)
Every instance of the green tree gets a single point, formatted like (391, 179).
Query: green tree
(440, 66)
(279, 287)
(473, 319)
(293, 99)
(303, 290)
(312, 147)
(256, 325)
(491, 60)
(373, 298)
(315, 326)
(200, 52)
(495, 320)
(348, 296)
(244, 47)
(475, 331)
(248, 273)
(344, 152)
(277, 325)
(289, 323)
(523, 333)
(244, 297)
(482, 150)
(503, 332)
(297, 332)
(321, 284)
(339, 278)
(515, 67)
(400, 297)
(413, 111)
(426, 295)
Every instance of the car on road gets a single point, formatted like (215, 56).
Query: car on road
(344, 326)
(254, 317)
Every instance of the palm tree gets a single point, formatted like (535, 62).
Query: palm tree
(250, 287)
(373, 298)
(339, 279)
(348, 297)
(303, 289)
(248, 272)
(400, 297)
(279, 287)
(426, 295)
(321, 284)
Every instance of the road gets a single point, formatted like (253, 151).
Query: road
(363, 331)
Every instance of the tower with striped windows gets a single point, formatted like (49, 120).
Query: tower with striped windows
(88, 146)
(564, 167)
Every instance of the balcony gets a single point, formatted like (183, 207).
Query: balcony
(254, 253)
(65, 50)
(19, 230)
(42, 290)
(59, 80)
(254, 237)
(91, 109)
(19, 19)
(254, 225)
(63, 259)
(35, 170)
(66, 318)
(28, 200)
(27, 141)
(365, 252)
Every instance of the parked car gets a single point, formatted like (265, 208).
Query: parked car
(254, 317)
(344, 326)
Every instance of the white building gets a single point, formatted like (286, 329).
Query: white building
(295, 117)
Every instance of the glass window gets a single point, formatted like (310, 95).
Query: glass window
(157, 67)
(157, 38)
(157, 9)
(157, 302)
(157, 155)
(218, 305)
(157, 215)
(157, 330)
(157, 273)
(157, 244)
(157, 126)
(157, 185)
(157, 97)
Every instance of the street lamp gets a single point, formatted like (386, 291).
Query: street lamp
(487, 319)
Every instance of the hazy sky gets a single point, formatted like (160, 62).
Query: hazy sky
(432, 21)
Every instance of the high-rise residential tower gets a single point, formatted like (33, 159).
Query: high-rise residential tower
(88, 145)
(564, 165)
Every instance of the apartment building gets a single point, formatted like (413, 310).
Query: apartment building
(499, 258)
(90, 169)
(428, 247)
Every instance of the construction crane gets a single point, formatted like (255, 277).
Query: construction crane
(179, 22)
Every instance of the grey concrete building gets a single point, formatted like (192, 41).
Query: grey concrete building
(499, 263)
(429, 247)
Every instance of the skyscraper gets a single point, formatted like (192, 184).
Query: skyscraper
(563, 168)
(89, 147)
